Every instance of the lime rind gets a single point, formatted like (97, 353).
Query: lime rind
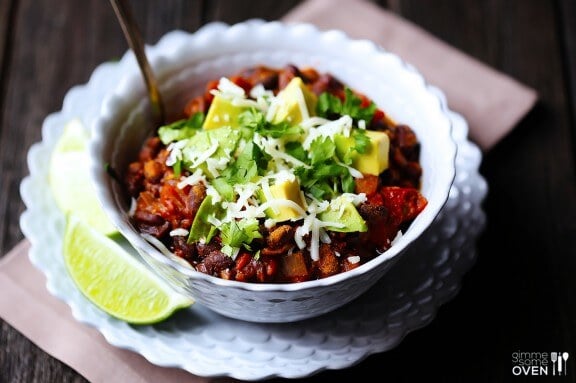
(115, 280)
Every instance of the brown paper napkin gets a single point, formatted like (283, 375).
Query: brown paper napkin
(28, 307)
(491, 102)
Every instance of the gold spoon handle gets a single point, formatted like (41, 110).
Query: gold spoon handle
(136, 43)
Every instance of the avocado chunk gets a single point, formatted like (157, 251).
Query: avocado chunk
(295, 103)
(201, 229)
(375, 160)
(222, 113)
(342, 211)
(285, 190)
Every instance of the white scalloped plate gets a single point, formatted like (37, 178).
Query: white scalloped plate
(208, 344)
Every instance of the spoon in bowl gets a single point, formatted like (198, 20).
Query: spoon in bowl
(136, 43)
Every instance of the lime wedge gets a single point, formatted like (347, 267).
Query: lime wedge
(69, 178)
(115, 280)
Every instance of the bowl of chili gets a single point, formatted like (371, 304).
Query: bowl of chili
(295, 168)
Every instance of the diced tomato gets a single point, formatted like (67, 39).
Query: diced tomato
(378, 115)
(197, 104)
(403, 203)
(242, 260)
(365, 101)
(211, 85)
(173, 197)
(399, 205)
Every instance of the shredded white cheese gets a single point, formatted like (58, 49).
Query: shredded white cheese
(272, 108)
(193, 179)
(355, 199)
(245, 102)
(212, 192)
(133, 206)
(202, 157)
(353, 171)
(315, 240)
(342, 126)
(313, 122)
(275, 148)
(215, 165)
(353, 259)
(397, 237)
(159, 245)
(175, 151)
(180, 232)
(228, 89)
(278, 203)
(262, 96)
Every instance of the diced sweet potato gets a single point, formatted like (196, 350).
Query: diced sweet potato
(328, 263)
(293, 267)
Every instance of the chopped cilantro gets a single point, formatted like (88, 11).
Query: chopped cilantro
(255, 120)
(322, 149)
(350, 147)
(224, 188)
(325, 180)
(250, 163)
(295, 149)
(362, 141)
(240, 233)
(181, 129)
(330, 106)
(177, 167)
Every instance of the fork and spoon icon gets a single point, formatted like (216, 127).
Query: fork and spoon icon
(559, 359)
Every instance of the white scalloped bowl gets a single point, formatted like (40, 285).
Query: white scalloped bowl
(184, 62)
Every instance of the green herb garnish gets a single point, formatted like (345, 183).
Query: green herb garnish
(181, 129)
(330, 106)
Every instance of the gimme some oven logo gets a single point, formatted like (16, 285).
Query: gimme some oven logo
(539, 363)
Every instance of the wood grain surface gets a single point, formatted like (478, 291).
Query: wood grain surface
(520, 293)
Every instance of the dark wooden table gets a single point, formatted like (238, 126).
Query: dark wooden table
(519, 296)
